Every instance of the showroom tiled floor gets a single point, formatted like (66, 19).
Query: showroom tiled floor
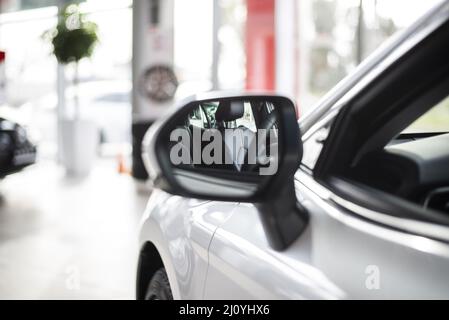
(67, 238)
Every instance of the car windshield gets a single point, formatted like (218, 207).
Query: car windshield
(435, 120)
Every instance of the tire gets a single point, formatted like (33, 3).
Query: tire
(159, 287)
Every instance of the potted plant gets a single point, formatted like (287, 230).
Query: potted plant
(74, 39)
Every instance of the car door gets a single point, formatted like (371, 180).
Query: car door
(243, 266)
(339, 256)
(350, 249)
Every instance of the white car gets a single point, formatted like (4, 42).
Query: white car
(350, 202)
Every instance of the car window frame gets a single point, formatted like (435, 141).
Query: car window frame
(338, 112)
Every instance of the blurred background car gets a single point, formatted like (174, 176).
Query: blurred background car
(16, 150)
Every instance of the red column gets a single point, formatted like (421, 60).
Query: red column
(2, 77)
(260, 45)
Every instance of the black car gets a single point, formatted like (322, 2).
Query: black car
(16, 150)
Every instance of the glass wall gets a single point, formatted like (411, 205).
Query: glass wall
(336, 35)
(231, 37)
(194, 45)
(193, 32)
(17, 5)
(31, 70)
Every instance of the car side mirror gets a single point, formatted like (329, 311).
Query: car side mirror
(242, 148)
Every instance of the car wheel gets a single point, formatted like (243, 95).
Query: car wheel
(159, 287)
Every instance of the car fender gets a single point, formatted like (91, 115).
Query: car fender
(181, 230)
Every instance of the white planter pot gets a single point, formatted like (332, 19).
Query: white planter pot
(79, 146)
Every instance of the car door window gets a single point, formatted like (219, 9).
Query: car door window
(413, 166)
(387, 149)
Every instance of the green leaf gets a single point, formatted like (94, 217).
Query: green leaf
(74, 37)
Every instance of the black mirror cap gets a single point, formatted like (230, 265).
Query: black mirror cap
(158, 165)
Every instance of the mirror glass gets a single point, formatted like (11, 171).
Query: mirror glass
(228, 147)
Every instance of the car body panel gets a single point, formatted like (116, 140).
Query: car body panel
(243, 266)
(181, 229)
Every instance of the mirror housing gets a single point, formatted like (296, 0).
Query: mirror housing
(266, 132)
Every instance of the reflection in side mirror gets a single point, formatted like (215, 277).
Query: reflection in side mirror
(227, 147)
(234, 143)
(238, 138)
